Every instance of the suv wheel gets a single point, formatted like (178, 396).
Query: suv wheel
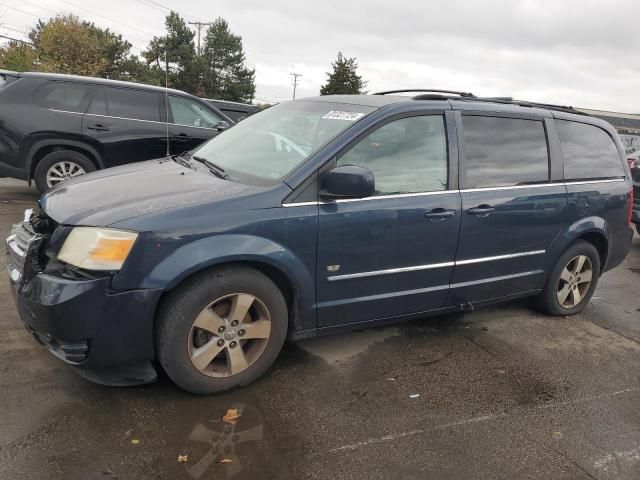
(572, 281)
(59, 166)
(221, 329)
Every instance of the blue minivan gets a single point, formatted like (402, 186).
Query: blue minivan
(315, 216)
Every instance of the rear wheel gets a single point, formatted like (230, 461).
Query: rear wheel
(572, 282)
(221, 329)
(59, 166)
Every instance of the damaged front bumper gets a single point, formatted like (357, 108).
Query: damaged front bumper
(106, 335)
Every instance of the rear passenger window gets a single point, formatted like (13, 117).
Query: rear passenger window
(589, 152)
(71, 97)
(406, 156)
(135, 104)
(504, 152)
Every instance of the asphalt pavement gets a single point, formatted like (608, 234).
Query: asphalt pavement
(502, 392)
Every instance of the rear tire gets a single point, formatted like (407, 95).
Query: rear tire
(221, 329)
(60, 165)
(572, 281)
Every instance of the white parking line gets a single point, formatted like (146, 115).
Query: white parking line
(480, 419)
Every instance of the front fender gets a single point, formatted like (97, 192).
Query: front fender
(220, 249)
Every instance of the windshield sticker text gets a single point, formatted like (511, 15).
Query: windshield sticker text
(348, 116)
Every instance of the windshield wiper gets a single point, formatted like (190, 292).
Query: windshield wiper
(217, 170)
(182, 160)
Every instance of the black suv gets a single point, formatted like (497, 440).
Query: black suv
(237, 111)
(53, 127)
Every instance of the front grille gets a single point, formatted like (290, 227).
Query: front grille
(26, 244)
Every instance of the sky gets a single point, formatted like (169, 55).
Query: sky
(582, 53)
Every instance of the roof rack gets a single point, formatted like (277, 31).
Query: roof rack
(524, 103)
(429, 90)
(438, 94)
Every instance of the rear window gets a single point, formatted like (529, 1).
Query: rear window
(67, 96)
(589, 152)
(504, 152)
(134, 104)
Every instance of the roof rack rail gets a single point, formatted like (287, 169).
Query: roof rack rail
(429, 90)
(525, 103)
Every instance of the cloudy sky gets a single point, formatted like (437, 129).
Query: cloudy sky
(574, 52)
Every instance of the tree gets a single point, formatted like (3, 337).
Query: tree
(66, 45)
(175, 54)
(225, 75)
(344, 79)
(17, 56)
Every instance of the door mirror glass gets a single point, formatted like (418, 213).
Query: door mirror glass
(347, 181)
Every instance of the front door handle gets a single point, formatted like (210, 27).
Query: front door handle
(483, 210)
(439, 214)
(98, 127)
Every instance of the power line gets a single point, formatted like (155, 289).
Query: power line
(109, 19)
(163, 8)
(295, 82)
(22, 11)
(39, 6)
(199, 26)
(16, 40)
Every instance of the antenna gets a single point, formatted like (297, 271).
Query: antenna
(166, 99)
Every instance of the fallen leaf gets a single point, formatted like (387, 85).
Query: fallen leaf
(231, 416)
(183, 458)
(226, 460)
(135, 441)
(414, 395)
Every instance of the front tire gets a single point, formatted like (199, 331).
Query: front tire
(221, 329)
(59, 166)
(572, 281)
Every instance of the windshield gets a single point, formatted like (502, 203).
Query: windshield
(265, 147)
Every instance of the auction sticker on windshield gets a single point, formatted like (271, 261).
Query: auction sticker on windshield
(349, 116)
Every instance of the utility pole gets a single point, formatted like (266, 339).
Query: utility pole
(295, 82)
(199, 26)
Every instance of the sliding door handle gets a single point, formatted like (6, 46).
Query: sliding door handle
(481, 210)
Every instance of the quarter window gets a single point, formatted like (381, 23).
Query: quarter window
(186, 112)
(406, 156)
(72, 97)
(504, 152)
(134, 104)
(589, 152)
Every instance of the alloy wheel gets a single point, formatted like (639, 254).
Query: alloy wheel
(575, 281)
(229, 335)
(58, 172)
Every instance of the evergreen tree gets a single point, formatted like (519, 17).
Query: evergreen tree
(225, 75)
(344, 79)
(175, 53)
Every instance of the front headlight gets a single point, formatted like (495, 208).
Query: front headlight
(94, 248)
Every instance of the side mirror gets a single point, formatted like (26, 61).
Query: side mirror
(221, 125)
(347, 181)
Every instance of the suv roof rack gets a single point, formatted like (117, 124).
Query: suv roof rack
(525, 103)
(439, 94)
(429, 90)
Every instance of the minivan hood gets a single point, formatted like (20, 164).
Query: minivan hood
(116, 194)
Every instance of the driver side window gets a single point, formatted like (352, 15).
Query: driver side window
(408, 155)
(192, 114)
